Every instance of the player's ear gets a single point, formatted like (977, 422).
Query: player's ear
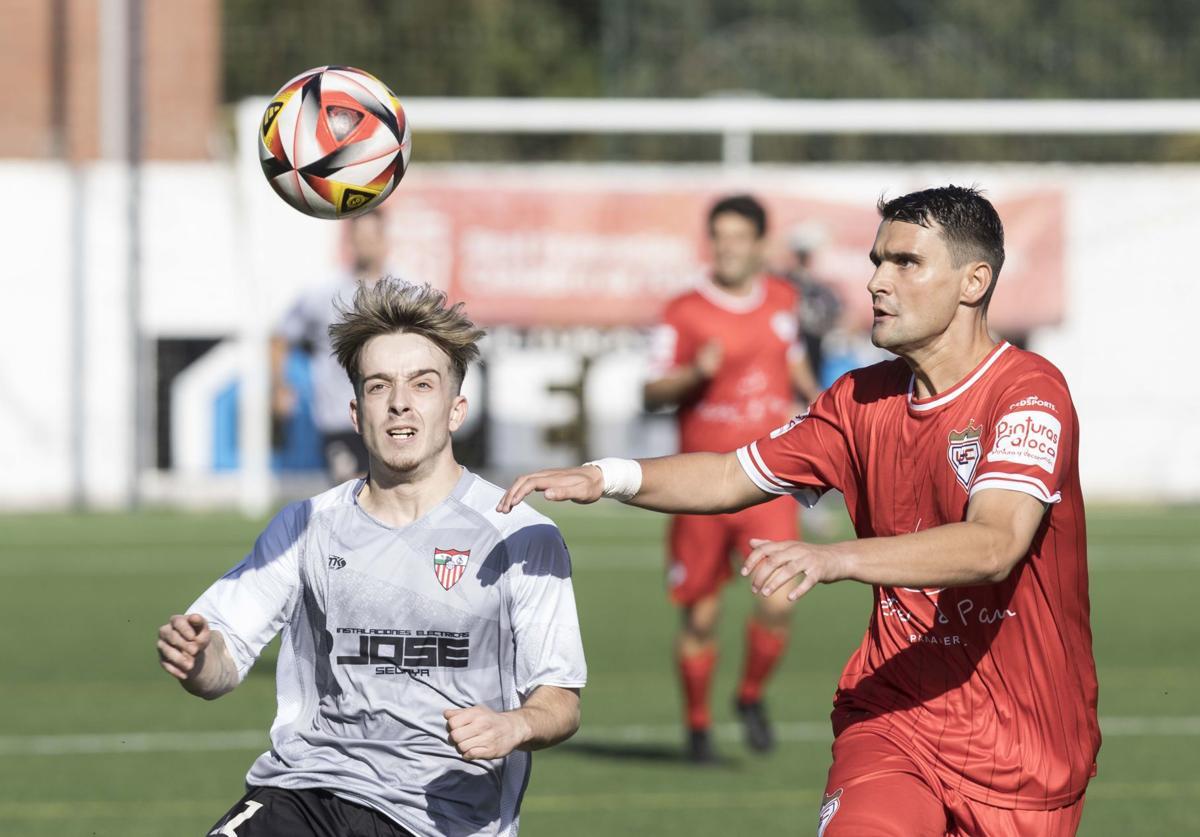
(354, 415)
(458, 412)
(975, 284)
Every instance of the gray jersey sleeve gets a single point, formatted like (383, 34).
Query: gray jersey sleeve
(549, 650)
(250, 603)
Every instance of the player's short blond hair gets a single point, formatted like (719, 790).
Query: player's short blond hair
(393, 306)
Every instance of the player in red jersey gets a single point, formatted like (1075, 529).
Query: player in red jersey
(727, 355)
(970, 706)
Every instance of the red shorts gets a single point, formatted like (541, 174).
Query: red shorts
(877, 789)
(700, 544)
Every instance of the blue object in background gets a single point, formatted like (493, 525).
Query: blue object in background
(837, 364)
(301, 449)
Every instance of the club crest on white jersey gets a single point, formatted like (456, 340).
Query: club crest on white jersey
(449, 565)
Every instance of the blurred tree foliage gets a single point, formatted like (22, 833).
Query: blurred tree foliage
(778, 48)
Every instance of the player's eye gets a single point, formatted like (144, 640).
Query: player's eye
(424, 385)
(375, 387)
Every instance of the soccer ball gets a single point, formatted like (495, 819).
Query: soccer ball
(334, 142)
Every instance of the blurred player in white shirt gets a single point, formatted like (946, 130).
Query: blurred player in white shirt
(305, 326)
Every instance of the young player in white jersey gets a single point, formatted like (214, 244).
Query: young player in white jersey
(428, 642)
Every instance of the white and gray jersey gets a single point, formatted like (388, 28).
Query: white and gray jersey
(307, 322)
(384, 629)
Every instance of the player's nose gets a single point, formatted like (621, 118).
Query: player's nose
(877, 283)
(398, 401)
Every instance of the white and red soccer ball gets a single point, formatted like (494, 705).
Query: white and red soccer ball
(334, 142)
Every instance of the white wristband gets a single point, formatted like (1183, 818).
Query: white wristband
(622, 477)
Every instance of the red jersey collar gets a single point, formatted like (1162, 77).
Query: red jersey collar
(934, 401)
(734, 304)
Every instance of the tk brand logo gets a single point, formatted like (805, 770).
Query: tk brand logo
(336, 562)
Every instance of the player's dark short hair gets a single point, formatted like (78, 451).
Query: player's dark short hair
(968, 223)
(746, 206)
(393, 306)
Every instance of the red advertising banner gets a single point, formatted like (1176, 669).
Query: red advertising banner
(569, 250)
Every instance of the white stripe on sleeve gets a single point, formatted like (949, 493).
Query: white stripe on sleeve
(1016, 482)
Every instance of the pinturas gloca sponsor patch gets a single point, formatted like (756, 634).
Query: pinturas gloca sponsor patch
(1027, 437)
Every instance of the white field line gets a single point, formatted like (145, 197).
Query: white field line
(792, 731)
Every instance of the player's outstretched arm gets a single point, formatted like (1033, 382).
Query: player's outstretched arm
(687, 483)
(983, 549)
(549, 716)
(196, 656)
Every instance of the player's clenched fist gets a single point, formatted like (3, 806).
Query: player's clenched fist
(483, 733)
(181, 642)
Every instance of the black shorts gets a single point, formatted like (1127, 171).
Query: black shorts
(307, 812)
(345, 455)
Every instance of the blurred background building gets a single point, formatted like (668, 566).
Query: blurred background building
(564, 155)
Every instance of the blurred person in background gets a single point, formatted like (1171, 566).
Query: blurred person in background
(969, 708)
(820, 308)
(428, 642)
(819, 314)
(305, 327)
(727, 356)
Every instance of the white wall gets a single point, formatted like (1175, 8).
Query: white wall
(223, 256)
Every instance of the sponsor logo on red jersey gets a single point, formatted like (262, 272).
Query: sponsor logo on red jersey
(1027, 437)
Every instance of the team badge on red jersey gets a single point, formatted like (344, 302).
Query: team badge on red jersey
(964, 451)
(449, 565)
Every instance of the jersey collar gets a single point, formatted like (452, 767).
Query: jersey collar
(734, 304)
(920, 405)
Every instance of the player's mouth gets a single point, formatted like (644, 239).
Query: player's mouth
(881, 315)
(401, 434)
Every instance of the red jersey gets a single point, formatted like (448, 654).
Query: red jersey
(752, 390)
(994, 685)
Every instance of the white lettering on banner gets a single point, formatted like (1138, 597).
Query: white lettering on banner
(1027, 437)
(545, 263)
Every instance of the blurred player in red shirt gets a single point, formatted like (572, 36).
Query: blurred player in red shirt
(969, 708)
(727, 356)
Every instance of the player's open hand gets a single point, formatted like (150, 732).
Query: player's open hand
(771, 564)
(482, 733)
(584, 484)
(181, 642)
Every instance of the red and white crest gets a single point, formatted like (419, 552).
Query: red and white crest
(449, 565)
(964, 451)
